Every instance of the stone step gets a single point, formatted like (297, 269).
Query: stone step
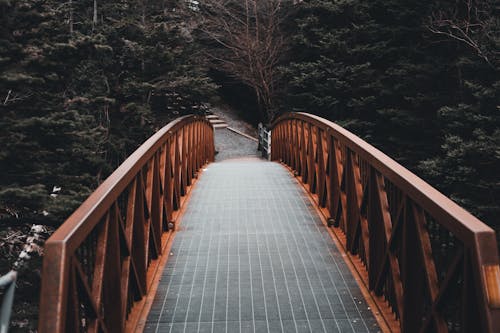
(216, 121)
(224, 125)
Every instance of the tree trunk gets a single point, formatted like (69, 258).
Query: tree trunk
(143, 14)
(71, 17)
(94, 18)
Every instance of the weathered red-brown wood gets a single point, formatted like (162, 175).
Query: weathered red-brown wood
(119, 251)
(380, 210)
(383, 259)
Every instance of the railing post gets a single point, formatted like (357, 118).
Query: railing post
(485, 262)
(264, 141)
(101, 261)
(409, 238)
(55, 286)
(8, 282)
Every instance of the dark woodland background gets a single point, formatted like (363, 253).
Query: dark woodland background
(84, 83)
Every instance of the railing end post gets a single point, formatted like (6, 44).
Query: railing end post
(9, 282)
(491, 276)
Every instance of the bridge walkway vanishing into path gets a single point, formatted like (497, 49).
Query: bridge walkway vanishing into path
(252, 255)
(333, 235)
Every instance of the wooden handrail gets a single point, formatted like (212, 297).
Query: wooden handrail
(434, 264)
(99, 262)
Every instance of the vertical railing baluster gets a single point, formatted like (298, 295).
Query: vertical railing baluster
(196, 129)
(297, 148)
(100, 264)
(189, 155)
(385, 224)
(331, 179)
(139, 241)
(302, 152)
(176, 167)
(184, 166)
(430, 274)
(112, 296)
(161, 184)
(293, 147)
(127, 261)
(310, 157)
(275, 135)
(169, 183)
(73, 320)
(156, 205)
(321, 170)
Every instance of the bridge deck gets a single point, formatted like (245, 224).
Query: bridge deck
(252, 255)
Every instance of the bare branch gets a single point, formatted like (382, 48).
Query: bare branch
(13, 97)
(7, 98)
(467, 23)
(249, 42)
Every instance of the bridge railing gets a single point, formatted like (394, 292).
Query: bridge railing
(434, 264)
(264, 141)
(102, 259)
(8, 287)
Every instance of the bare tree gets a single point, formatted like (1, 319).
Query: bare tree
(246, 43)
(470, 22)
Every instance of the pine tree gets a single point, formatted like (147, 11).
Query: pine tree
(417, 79)
(466, 167)
(82, 85)
(47, 143)
(366, 65)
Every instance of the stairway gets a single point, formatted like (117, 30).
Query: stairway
(216, 121)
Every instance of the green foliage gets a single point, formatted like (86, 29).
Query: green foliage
(363, 63)
(467, 165)
(384, 70)
(78, 93)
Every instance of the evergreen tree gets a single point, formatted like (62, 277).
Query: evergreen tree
(367, 65)
(82, 85)
(467, 166)
(417, 79)
(47, 143)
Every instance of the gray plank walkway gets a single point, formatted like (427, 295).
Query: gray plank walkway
(231, 145)
(253, 256)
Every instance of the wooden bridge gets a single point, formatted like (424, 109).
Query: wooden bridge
(332, 235)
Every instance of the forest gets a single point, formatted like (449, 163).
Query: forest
(84, 83)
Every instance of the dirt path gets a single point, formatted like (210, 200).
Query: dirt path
(232, 145)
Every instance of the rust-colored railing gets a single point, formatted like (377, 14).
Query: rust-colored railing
(102, 259)
(435, 265)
